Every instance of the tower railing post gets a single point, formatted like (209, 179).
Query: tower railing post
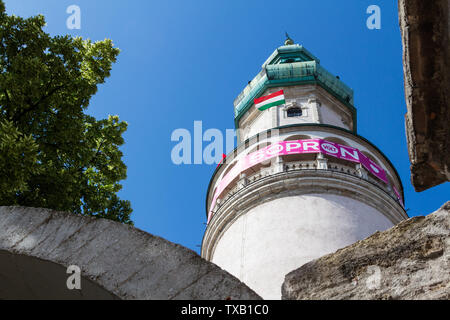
(362, 173)
(322, 162)
(279, 165)
(243, 180)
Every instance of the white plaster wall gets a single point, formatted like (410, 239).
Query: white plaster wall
(318, 107)
(330, 115)
(276, 237)
(262, 123)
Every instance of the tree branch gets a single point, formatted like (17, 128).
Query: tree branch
(33, 106)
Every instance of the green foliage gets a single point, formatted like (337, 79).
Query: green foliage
(52, 154)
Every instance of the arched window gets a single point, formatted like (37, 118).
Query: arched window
(294, 112)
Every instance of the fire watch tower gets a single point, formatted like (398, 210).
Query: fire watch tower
(302, 183)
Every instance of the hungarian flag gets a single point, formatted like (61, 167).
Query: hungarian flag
(272, 100)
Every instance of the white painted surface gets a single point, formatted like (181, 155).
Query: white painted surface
(276, 237)
(262, 122)
(330, 115)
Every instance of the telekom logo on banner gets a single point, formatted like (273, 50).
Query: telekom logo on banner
(298, 147)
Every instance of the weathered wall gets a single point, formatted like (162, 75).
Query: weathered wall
(117, 261)
(409, 261)
(425, 33)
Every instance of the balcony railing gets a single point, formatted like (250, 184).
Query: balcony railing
(315, 165)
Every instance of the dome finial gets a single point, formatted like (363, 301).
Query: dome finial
(288, 41)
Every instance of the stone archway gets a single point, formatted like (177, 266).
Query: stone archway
(116, 261)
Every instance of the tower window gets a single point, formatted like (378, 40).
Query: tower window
(290, 60)
(294, 112)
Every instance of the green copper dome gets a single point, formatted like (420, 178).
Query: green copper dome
(292, 65)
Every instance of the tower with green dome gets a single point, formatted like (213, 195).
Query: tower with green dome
(301, 183)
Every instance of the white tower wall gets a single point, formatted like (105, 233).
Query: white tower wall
(264, 244)
(317, 105)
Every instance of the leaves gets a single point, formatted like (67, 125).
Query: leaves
(18, 162)
(52, 154)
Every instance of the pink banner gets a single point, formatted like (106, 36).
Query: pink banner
(298, 147)
(399, 197)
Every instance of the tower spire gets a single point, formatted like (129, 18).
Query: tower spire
(288, 41)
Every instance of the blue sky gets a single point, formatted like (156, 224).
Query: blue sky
(183, 61)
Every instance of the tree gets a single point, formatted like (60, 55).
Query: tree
(52, 154)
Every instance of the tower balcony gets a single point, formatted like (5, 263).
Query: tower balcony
(280, 168)
(225, 184)
(270, 221)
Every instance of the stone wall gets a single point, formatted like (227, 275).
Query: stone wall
(409, 261)
(425, 33)
(117, 261)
